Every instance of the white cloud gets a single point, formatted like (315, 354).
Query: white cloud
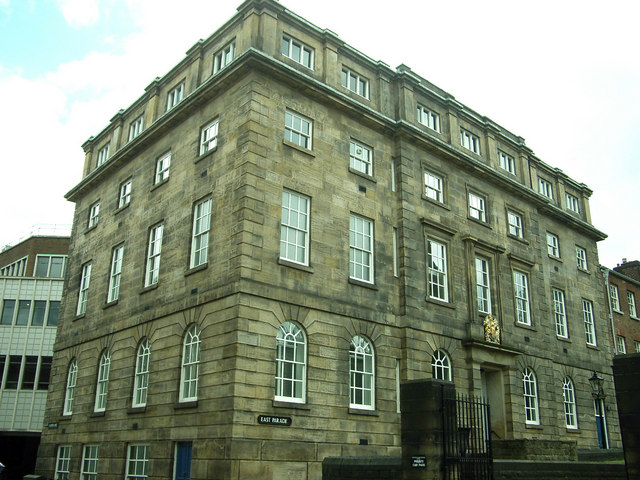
(79, 13)
(568, 82)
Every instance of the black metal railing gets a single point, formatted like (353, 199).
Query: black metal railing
(467, 438)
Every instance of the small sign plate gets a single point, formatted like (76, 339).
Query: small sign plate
(418, 461)
(273, 420)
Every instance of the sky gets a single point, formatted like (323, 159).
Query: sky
(563, 75)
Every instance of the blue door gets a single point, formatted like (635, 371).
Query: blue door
(183, 461)
(601, 424)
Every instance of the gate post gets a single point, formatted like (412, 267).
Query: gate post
(422, 407)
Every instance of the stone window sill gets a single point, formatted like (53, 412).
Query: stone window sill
(299, 266)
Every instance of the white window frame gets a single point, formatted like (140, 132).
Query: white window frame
(636, 345)
(581, 258)
(545, 188)
(477, 207)
(89, 469)
(621, 345)
(94, 215)
(483, 284)
(294, 227)
(560, 313)
(15, 269)
(103, 155)
(141, 378)
(116, 273)
(175, 96)
(441, 366)
(135, 127)
(569, 400)
(50, 263)
(355, 82)
(72, 377)
(137, 462)
(573, 203)
(521, 297)
(433, 186)
(361, 374)
(589, 326)
(297, 51)
(394, 241)
(63, 462)
(631, 302)
(83, 293)
(102, 383)
(515, 224)
(530, 385)
(360, 158)
(224, 56)
(154, 252)
(470, 141)
(428, 118)
(361, 241)
(200, 232)
(553, 245)
(298, 129)
(124, 197)
(163, 166)
(615, 298)
(506, 162)
(209, 136)
(291, 364)
(437, 271)
(190, 365)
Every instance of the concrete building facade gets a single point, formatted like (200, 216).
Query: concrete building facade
(278, 233)
(31, 281)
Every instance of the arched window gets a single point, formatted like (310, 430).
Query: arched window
(141, 379)
(361, 374)
(530, 385)
(569, 397)
(103, 382)
(440, 366)
(71, 387)
(190, 363)
(290, 363)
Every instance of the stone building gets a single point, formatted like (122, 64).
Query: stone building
(622, 288)
(279, 232)
(31, 281)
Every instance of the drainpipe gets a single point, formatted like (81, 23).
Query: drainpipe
(605, 271)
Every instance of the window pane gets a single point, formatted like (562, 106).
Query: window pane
(39, 309)
(13, 375)
(24, 309)
(29, 373)
(42, 266)
(45, 373)
(54, 311)
(7, 312)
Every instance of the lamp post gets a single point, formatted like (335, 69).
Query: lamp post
(597, 391)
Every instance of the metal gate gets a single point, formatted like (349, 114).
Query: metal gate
(467, 438)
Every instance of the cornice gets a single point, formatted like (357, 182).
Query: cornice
(253, 58)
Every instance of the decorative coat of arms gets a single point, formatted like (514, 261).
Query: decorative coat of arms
(491, 329)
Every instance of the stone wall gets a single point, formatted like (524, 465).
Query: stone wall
(626, 371)
(552, 450)
(515, 470)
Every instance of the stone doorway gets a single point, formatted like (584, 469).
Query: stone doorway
(492, 381)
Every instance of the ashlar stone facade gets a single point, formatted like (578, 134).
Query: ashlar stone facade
(348, 204)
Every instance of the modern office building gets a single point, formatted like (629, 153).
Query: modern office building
(279, 232)
(31, 281)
